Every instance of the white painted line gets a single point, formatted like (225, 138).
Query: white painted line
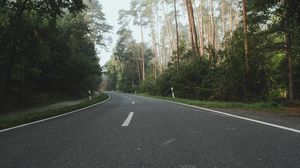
(50, 118)
(169, 141)
(132, 102)
(128, 119)
(199, 110)
(233, 116)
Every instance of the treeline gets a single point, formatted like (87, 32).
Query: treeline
(47, 50)
(230, 51)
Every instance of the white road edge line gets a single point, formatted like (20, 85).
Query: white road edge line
(50, 118)
(233, 116)
(128, 119)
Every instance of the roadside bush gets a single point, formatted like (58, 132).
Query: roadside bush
(150, 86)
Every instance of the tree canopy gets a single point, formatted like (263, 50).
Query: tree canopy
(47, 50)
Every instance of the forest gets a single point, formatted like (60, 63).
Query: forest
(48, 50)
(223, 50)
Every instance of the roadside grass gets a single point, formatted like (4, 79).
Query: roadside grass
(23, 118)
(258, 106)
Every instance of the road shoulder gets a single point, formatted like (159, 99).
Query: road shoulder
(280, 119)
(22, 119)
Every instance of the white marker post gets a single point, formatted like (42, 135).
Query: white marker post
(90, 97)
(172, 90)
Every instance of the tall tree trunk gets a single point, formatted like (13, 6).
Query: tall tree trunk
(230, 19)
(169, 31)
(199, 18)
(246, 44)
(223, 17)
(246, 48)
(290, 66)
(177, 37)
(154, 39)
(159, 56)
(169, 27)
(236, 20)
(154, 46)
(212, 22)
(201, 29)
(205, 32)
(143, 54)
(137, 59)
(192, 27)
(21, 5)
(138, 69)
(288, 41)
(209, 37)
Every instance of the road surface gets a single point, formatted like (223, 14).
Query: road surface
(136, 132)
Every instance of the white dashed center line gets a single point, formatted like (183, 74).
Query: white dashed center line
(128, 119)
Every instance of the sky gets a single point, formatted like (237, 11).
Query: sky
(110, 9)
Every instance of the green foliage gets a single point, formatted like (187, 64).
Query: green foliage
(220, 74)
(97, 23)
(124, 69)
(73, 67)
(258, 106)
(149, 86)
(46, 48)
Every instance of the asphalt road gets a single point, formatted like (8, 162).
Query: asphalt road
(135, 132)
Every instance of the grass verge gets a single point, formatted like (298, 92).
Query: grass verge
(258, 106)
(22, 118)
